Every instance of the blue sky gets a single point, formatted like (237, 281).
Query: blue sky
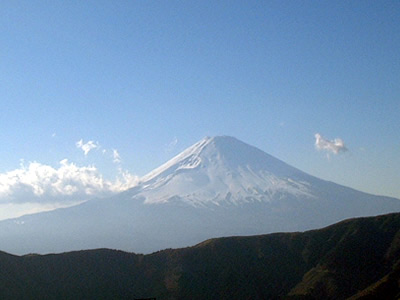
(150, 78)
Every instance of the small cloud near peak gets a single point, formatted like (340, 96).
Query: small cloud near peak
(331, 146)
(171, 145)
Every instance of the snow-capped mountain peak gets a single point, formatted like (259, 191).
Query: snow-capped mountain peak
(189, 158)
(222, 169)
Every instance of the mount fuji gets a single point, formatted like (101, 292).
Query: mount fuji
(220, 186)
(222, 170)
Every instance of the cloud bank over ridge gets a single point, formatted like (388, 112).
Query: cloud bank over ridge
(40, 183)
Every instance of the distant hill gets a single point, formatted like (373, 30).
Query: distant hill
(357, 258)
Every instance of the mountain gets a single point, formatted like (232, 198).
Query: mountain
(218, 187)
(223, 170)
(356, 259)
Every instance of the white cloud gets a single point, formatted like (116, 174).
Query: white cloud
(335, 146)
(124, 181)
(86, 148)
(39, 183)
(116, 156)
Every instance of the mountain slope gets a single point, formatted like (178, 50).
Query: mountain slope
(223, 169)
(358, 258)
(218, 187)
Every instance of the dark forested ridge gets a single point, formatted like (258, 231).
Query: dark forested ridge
(358, 258)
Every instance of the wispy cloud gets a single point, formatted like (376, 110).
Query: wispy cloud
(171, 145)
(116, 156)
(331, 146)
(39, 183)
(86, 147)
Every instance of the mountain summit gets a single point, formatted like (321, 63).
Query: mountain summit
(223, 169)
(220, 186)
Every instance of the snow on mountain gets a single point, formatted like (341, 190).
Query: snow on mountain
(222, 169)
(220, 186)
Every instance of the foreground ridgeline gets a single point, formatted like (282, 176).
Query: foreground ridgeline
(357, 258)
(218, 187)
